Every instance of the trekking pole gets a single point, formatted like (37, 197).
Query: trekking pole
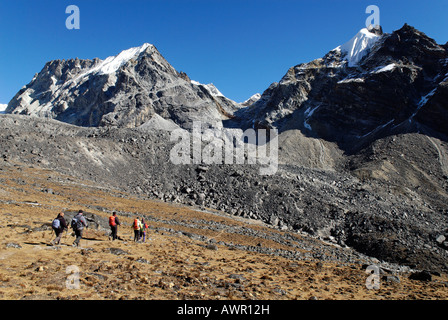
(51, 229)
(51, 239)
(52, 233)
(65, 236)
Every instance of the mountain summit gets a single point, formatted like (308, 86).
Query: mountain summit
(126, 90)
(358, 46)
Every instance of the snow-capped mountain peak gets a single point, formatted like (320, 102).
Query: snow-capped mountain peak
(254, 98)
(210, 88)
(358, 46)
(112, 64)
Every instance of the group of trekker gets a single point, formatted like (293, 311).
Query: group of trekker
(79, 223)
(140, 227)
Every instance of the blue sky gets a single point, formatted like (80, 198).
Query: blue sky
(240, 46)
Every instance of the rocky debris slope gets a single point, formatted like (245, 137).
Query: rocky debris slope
(188, 253)
(362, 208)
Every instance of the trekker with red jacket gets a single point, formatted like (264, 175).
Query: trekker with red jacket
(114, 223)
(136, 225)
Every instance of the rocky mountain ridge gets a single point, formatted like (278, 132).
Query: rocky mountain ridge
(126, 90)
(398, 86)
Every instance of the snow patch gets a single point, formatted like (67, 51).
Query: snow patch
(308, 113)
(346, 80)
(254, 98)
(112, 64)
(377, 129)
(210, 88)
(306, 124)
(425, 99)
(358, 46)
(387, 68)
(3, 108)
(421, 103)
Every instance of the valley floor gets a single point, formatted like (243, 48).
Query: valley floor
(175, 262)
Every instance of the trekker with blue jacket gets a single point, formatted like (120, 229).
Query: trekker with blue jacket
(59, 225)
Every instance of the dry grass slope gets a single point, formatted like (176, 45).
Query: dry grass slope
(170, 265)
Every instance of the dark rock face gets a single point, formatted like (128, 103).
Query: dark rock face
(399, 86)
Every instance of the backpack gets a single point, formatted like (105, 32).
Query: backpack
(74, 224)
(112, 221)
(136, 224)
(56, 224)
